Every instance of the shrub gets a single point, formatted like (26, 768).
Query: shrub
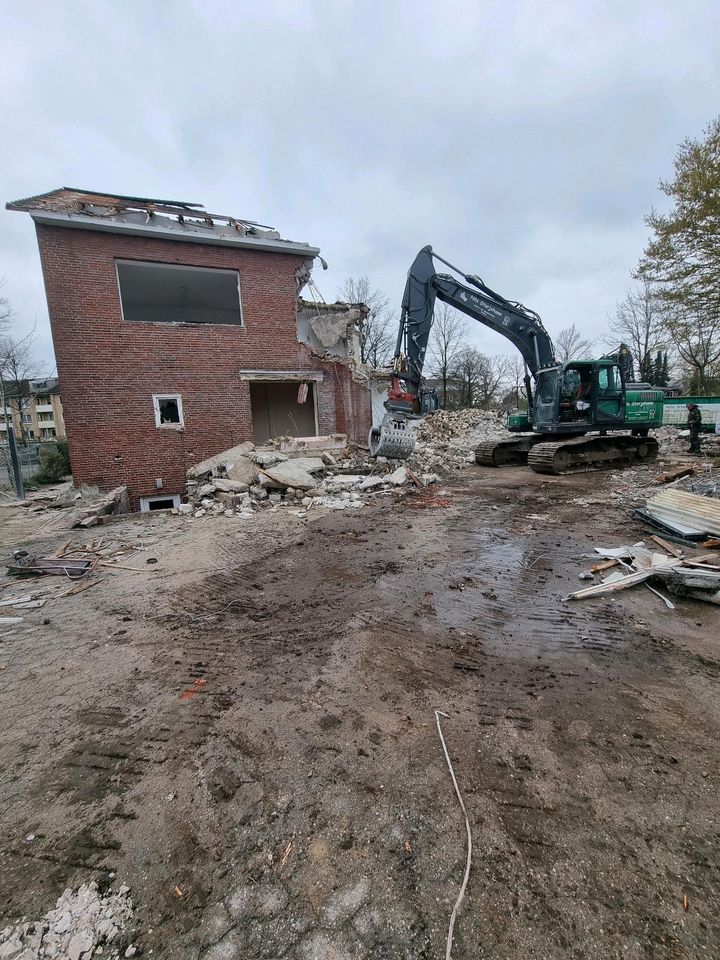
(54, 464)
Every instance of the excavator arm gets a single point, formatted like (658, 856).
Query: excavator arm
(408, 399)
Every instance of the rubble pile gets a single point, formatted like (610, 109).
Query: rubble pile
(245, 479)
(447, 439)
(83, 924)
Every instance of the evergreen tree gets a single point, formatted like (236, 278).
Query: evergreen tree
(665, 371)
(647, 372)
(657, 370)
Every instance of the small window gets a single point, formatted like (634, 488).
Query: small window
(168, 410)
(160, 502)
(171, 293)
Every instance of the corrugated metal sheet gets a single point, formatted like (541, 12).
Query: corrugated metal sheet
(686, 511)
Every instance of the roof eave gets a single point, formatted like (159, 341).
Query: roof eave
(177, 232)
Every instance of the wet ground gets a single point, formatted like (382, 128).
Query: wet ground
(246, 736)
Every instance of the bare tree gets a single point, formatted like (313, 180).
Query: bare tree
(18, 369)
(7, 314)
(696, 337)
(478, 380)
(515, 396)
(377, 338)
(639, 321)
(571, 345)
(447, 340)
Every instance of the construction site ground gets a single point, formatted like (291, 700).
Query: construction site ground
(244, 734)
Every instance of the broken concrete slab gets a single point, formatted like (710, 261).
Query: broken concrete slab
(229, 486)
(210, 466)
(332, 441)
(241, 470)
(267, 458)
(398, 477)
(369, 483)
(286, 474)
(309, 464)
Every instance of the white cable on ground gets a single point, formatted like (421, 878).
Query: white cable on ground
(456, 908)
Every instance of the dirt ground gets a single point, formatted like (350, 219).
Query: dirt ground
(244, 733)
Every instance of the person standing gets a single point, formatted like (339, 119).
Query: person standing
(694, 422)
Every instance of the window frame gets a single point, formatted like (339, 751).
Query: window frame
(154, 498)
(157, 397)
(121, 261)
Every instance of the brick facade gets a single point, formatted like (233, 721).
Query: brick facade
(110, 368)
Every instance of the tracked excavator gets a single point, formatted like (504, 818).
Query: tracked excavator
(582, 414)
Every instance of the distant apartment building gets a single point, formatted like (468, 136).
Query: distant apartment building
(179, 333)
(34, 408)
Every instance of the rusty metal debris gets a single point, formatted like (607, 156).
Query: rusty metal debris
(27, 565)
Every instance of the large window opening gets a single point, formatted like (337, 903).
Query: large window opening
(282, 409)
(167, 293)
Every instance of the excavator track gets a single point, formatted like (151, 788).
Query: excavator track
(583, 454)
(506, 453)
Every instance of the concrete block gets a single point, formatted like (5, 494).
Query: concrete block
(231, 500)
(209, 466)
(240, 470)
(333, 441)
(231, 486)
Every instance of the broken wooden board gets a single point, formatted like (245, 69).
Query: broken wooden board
(675, 474)
(666, 545)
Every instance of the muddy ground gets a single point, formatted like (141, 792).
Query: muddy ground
(244, 733)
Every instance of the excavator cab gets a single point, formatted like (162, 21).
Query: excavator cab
(579, 395)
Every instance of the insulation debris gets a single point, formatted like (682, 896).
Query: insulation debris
(698, 578)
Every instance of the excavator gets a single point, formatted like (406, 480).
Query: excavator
(576, 409)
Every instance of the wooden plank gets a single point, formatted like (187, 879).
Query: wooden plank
(674, 474)
(605, 565)
(673, 551)
(613, 587)
(60, 551)
(701, 564)
(79, 587)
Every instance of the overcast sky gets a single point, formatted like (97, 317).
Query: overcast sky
(523, 140)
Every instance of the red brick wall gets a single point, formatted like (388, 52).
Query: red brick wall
(110, 368)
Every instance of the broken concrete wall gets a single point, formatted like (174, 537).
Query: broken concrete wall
(331, 329)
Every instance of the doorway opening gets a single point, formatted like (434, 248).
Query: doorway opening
(277, 412)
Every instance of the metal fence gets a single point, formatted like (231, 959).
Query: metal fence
(28, 455)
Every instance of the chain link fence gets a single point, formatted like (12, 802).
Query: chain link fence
(28, 455)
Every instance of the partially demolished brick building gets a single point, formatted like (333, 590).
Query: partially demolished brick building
(177, 335)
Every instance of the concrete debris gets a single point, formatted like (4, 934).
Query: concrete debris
(326, 472)
(218, 463)
(332, 441)
(240, 470)
(272, 478)
(268, 458)
(398, 477)
(84, 923)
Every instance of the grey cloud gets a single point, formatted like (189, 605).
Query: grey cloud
(523, 141)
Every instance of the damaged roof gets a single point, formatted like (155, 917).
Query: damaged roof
(148, 216)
